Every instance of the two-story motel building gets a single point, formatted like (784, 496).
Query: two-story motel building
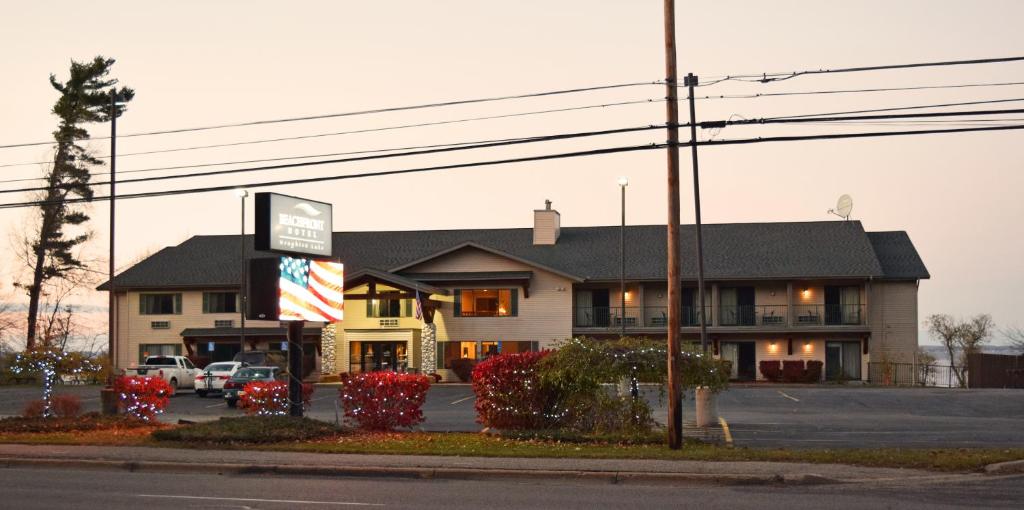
(827, 291)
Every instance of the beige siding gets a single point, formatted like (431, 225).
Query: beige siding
(892, 315)
(546, 316)
(546, 226)
(135, 329)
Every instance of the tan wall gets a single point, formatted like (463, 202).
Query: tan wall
(545, 317)
(892, 315)
(134, 328)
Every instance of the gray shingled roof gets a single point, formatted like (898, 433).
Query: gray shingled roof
(826, 249)
(897, 256)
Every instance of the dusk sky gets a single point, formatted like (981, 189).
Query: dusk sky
(204, 63)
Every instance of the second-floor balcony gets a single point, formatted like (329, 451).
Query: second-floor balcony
(738, 316)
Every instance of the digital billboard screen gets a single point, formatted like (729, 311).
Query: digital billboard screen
(310, 290)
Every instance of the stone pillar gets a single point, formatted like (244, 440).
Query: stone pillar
(328, 350)
(428, 348)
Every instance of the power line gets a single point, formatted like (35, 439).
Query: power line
(781, 76)
(855, 91)
(368, 130)
(208, 189)
(802, 118)
(546, 138)
(899, 108)
(563, 155)
(353, 113)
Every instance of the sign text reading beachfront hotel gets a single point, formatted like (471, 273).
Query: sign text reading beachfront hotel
(293, 225)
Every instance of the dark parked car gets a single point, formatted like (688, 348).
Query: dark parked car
(233, 388)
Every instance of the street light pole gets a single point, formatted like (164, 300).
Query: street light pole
(242, 301)
(691, 82)
(623, 182)
(111, 297)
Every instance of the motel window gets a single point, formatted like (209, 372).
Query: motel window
(486, 302)
(389, 308)
(160, 304)
(478, 350)
(220, 302)
(146, 350)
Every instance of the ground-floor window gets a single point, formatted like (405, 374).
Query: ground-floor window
(146, 350)
(842, 360)
(374, 356)
(478, 350)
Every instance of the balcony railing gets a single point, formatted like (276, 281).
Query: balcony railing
(752, 315)
(766, 316)
(829, 315)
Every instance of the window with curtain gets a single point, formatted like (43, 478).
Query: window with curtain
(389, 308)
(220, 302)
(160, 304)
(486, 303)
(849, 302)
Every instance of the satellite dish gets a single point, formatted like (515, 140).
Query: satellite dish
(843, 207)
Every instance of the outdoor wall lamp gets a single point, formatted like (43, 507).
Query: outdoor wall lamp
(807, 346)
(806, 292)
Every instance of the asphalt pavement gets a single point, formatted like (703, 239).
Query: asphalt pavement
(31, 488)
(758, 415)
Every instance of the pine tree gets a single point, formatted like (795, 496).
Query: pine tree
(84, 98)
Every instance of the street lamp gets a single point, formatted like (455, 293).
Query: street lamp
(623, 182)
(107, 397)
(242, 301)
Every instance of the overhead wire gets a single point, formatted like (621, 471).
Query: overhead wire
(354, 113)
(856, 91)
(544, 138)
(367, 130)
(564, 155)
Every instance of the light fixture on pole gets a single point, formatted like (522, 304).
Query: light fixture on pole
(623, 182)
(108, 398)
(242, 301)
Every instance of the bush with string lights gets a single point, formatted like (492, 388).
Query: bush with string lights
(143, 397)
(51, 363)
(509, 393)
(270, 398)
(384, 400)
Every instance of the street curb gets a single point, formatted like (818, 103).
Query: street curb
(1005, 468)
(611, 477)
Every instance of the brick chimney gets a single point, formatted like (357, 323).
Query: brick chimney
(546, 225)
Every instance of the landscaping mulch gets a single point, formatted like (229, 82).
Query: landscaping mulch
(249, 430)
(83, 423)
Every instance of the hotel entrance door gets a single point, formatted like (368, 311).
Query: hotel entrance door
(376, 356)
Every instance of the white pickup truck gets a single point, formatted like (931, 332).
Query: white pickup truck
(178, 371)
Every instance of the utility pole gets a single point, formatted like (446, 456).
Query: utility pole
(243, 295)
(295, 367)
(675, 399)
(691, 82)
(623, 182)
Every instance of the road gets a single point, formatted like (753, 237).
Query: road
(86, 490)
(758, 416)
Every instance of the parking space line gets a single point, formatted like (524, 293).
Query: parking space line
(725, 431)
(257, 500)
(461, 400)
(794, 399)
(216, 405)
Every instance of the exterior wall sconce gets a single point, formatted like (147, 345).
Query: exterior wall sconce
(773, 347)
(806, 293)
(807, 346)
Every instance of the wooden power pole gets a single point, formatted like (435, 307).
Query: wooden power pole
(675, 398)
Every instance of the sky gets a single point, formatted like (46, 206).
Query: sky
(196, 63)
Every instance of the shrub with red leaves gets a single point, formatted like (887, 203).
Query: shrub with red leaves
(771, 369)
(508, 392)
(143, 397)
(793, 370)
(384, 400)
(33, 409)
(814, 368)
(270, 398)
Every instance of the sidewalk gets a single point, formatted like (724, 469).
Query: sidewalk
(240, 462)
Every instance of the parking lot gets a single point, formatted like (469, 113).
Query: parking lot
(758, 416)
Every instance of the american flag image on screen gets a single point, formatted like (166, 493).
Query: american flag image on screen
(311, 290)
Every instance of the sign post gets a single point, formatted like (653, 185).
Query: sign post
(295, 368)
(302, 286)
